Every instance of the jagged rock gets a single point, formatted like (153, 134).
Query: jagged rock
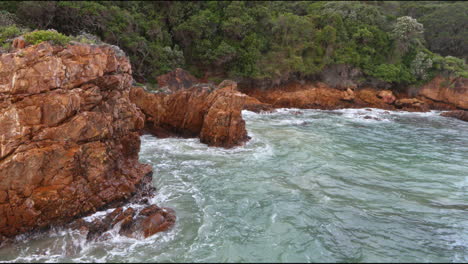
(176, 80)
(69, 135)
(459, 114)
(131, 223)
(213, 115)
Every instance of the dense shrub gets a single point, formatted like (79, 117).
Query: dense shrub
(276, 40)
(53, 36)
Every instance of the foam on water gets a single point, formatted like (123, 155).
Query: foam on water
(310, 185)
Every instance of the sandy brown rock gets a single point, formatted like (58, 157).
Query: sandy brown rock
(213, 115)
(452, 90)
(411, 104)
(387, 96)
(68, 134)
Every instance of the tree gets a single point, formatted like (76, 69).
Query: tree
(407, 31)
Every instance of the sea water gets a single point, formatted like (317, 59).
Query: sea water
(352, 185)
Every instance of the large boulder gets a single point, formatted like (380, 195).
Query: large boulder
(213, 115)
(69, 134)
(387, 96)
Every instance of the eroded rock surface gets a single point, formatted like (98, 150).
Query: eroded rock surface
(213, 115)
(69, 138)
(319, 95)
(452, 91)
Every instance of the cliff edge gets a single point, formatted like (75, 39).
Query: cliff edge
(69, 138)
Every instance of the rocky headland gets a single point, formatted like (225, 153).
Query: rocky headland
(69, 135)
(71, 119)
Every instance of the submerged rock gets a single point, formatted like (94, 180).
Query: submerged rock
(69, 134)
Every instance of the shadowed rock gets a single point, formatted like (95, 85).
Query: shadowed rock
(176, 80)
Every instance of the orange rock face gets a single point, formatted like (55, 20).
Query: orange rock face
(69, 137)
(453, 91)
(214, 116)
(319, 96)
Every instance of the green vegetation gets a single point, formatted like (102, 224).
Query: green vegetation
(391, 41)
(39, 36)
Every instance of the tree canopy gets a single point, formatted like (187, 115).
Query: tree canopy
(390, 41)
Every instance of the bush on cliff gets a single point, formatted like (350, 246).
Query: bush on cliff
(7, 34)
(53, 36)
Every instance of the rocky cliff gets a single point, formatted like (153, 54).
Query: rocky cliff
(211, 113)
(437, 94)
(69, 138)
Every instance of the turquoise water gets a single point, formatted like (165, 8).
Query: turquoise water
(314, 186)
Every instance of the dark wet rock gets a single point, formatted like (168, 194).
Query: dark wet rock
(131, 223)
(458, 114)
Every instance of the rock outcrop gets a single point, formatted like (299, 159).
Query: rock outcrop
(321, 96)
(69, 134)
(459, 114)
(213, 115)
(452, 91)
(176, 80)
